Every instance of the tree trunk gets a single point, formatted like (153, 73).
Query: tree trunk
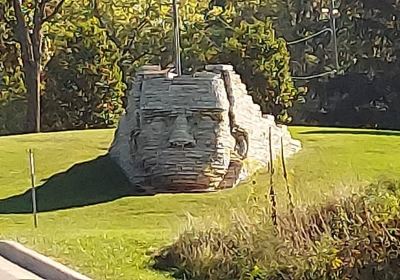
(30, 41)
(32, 82)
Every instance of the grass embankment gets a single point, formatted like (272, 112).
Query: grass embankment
(89, 224)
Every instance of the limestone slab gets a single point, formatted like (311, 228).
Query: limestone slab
(201, 123)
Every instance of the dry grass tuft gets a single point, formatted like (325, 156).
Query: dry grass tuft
(356, 237)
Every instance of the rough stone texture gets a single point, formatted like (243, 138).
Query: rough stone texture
(193, 133)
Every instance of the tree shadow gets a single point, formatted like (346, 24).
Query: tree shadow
(93, 182)
(355, 132)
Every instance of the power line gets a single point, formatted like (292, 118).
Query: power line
(310, 37)
(305, 78)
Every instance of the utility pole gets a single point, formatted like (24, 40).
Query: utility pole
(177, 41)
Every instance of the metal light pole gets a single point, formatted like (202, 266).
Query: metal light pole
(177, 41)
(333, 13)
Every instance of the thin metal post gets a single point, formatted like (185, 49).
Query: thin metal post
(272, 193)
(32, 173)
(334, 34)
(177, 41)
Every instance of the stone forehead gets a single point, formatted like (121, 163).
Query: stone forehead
(203, 91)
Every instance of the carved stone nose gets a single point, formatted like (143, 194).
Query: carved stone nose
(181, 135)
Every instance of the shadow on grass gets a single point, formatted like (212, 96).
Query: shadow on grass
(88, 183)
(355, 132)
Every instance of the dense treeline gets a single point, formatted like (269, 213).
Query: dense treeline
(367, 92)
(90, 49)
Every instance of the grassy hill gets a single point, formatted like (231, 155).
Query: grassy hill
(91, 220)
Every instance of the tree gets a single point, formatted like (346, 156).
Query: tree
(27, 20)
(137, 28)
(235, 32)
(130, 33)
(84, 84)
(368, 35)
(12, 88)
(81, 83)
(212, 32)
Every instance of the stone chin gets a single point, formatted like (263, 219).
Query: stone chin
(193, 133)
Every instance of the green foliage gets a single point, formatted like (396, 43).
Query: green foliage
(356, 237)
(210, 34)
(12, 88)
(126, 35)
(235, 33)
(83, 81)
(12, 115)
(137, 28)
(367, 35)
(10, 66)
(368, 44)
(82, 84)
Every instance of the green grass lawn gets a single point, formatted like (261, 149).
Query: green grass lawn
(90, 222)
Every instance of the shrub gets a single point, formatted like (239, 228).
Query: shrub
(357, 237)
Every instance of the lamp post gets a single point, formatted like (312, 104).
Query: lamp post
(330, 13)
(334, 13)
(177, 41)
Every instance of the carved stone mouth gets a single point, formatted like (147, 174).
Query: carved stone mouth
(181, 145)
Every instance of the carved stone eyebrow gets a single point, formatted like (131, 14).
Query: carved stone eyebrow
(205, 110)
(156, 112)
(176, 111)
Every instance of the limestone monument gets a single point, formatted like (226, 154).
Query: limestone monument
(194, 132)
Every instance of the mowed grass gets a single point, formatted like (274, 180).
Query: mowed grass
(92, 221)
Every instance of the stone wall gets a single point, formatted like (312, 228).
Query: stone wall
(193, 132)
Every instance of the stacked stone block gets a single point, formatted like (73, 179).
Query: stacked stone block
(177, 132)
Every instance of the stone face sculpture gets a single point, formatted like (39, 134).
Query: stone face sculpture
(191, 133)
